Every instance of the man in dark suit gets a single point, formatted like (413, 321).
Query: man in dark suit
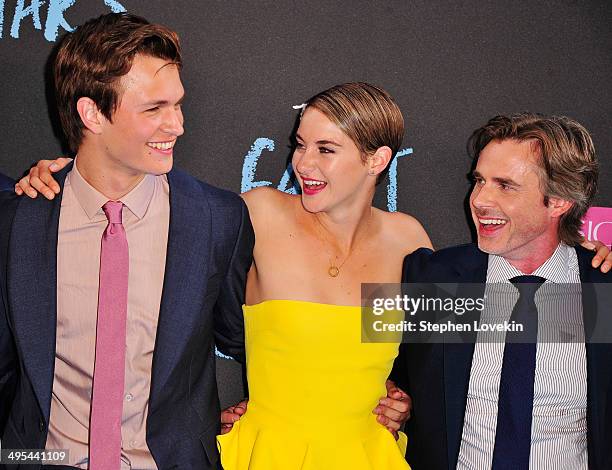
(534, 179)
(6, 183)
(114, 294)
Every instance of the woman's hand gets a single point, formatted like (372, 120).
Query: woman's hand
(603, 255)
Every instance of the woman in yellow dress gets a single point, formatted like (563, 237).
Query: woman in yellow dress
(312, 382)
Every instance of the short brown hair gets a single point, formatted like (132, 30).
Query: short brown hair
(566, 154)
(91, 60)
(364, 112)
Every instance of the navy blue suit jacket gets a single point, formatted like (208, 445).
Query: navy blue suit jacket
(436, 376)
(6, 183)
(210, 243)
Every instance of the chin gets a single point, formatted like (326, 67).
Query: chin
(161, 168)
(490, 246)
(311, 206)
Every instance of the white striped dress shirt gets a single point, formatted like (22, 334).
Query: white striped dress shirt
(559, 427)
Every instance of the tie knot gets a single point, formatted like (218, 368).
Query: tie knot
(527, 285)
(113, 209)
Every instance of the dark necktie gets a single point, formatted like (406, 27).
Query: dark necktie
(515, 405)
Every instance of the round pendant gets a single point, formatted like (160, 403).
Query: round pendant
(333, 271)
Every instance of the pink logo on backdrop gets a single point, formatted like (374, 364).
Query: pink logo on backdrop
(597, 224)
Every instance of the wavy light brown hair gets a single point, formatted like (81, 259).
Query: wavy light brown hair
(366, 113)
(91, 61)
(566, 154)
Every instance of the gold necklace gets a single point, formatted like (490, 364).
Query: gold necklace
(334, 270)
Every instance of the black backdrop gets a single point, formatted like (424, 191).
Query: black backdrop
(450, 66)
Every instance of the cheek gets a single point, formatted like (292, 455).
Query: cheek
(128, 131)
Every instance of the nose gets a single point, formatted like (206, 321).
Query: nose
(303, 161)
(481, 196)
(173, 121)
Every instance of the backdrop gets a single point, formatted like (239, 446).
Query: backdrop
(449, 65)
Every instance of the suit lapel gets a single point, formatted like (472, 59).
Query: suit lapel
(32, 288)
(186, 274)
(458, 356)
(598, 355)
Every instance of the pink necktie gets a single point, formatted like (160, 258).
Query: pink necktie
(109, 366)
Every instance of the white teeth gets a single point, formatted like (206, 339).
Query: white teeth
(161, 145)
(492, 221)
(314, 183)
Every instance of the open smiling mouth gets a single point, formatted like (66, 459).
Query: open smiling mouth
(490, 226)
(311, 186)
(163, 147)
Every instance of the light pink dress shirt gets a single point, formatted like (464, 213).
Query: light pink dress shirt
(145, 218)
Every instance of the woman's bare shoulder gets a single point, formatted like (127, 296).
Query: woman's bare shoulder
(268, 205)
(405, 230)
(265, 198)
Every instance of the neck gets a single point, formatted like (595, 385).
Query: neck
(529, 264)
(105, 175)
(345, 229)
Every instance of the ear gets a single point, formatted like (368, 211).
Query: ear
(557, 206)
(379, 160)
(91, 116)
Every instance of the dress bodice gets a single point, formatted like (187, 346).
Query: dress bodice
(313, 385)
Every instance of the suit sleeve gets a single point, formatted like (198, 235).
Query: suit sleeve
(229, 320)
(8, 353)
(8, 367)
(6, 183)
(413, 264)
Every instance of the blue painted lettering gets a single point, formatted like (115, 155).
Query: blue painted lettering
(392, 186)
(55, 16)
(250, 164)
(21, 13)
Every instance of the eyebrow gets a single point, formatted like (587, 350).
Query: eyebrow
(162, 102)
(496, 179)
(321, 142)
(167, 64)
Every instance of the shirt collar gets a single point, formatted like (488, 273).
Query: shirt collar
(555, 269)
(92, 200)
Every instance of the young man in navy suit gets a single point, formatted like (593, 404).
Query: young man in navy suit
(476, 406)
(129, 241)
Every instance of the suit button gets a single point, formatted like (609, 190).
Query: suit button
(41, 425)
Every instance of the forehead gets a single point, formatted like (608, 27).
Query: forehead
(151, 76)
(508, 159)
(315, 124)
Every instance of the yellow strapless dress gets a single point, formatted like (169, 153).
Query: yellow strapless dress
(313, 385)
